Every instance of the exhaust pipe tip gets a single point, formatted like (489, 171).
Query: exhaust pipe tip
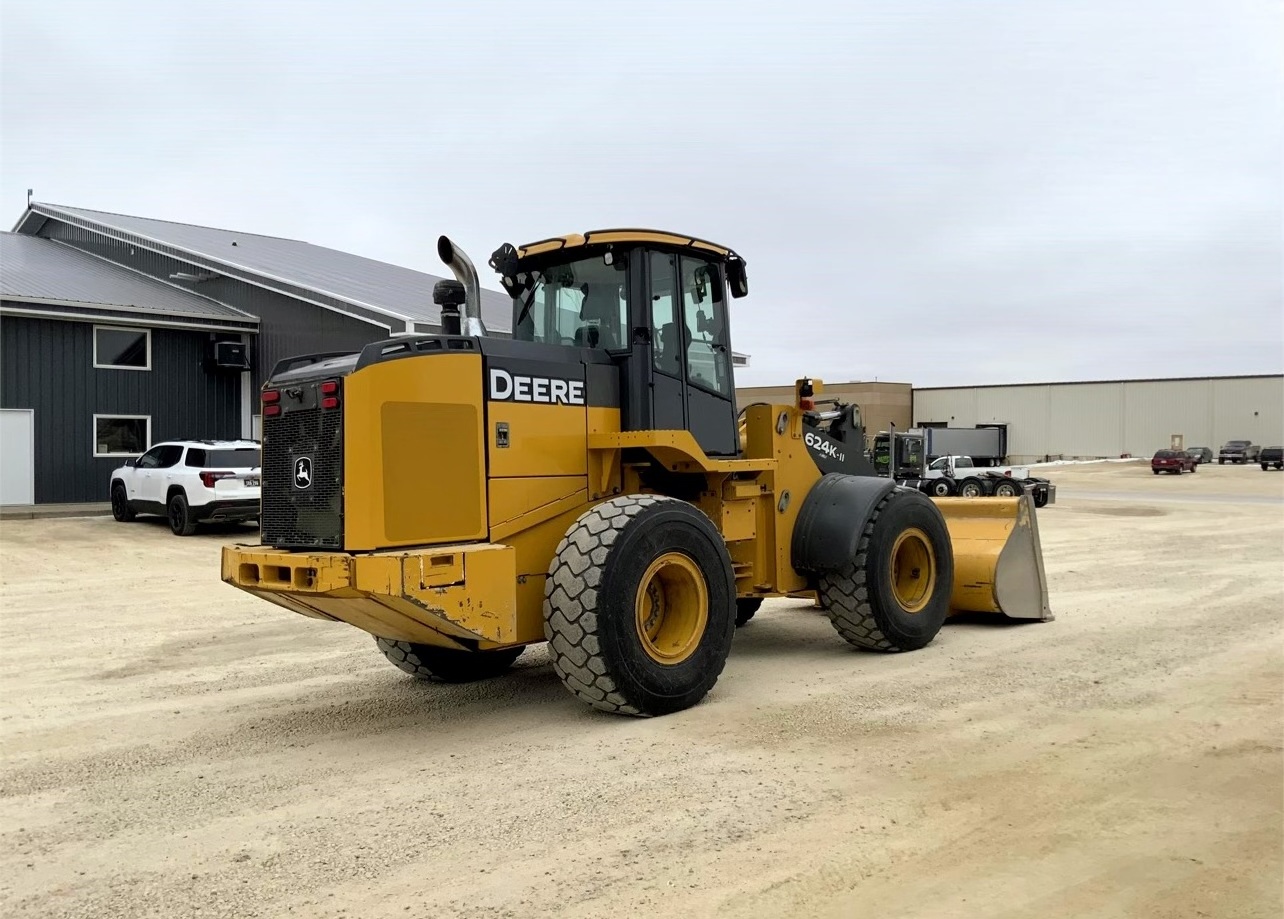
(462, 267)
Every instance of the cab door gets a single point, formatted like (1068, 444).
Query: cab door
(692, 386)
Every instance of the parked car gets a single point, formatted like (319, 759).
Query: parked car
(1271, 457)
(1177, 461)
(1238, 451)
(190, 482)
(1200, 454)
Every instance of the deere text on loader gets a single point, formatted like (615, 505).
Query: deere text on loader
(590, 483)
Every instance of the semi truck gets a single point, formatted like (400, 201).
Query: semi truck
(953, 474)
(958, 475)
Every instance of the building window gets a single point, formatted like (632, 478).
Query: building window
(117, 348)
(122, 435)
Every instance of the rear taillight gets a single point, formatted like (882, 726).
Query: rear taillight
(209, 478)
(271, 402)
(330, 394)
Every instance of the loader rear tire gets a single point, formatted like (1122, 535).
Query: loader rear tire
(640, 606)
(895, 595)
(446, 665)
(746, 607)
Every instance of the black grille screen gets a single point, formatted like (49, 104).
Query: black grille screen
(302, 490)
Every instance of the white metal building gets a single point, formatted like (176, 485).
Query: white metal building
(1116, 417)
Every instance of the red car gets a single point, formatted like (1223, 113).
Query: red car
(1177, 461)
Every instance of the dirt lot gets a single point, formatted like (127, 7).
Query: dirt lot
(173, 748)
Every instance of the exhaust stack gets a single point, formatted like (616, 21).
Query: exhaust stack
(462, 267)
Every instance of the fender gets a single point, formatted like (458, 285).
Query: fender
(832, 519)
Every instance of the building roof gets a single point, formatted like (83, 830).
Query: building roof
(388, 291)
(57, 276)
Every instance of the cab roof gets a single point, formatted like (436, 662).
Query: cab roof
(623, 237)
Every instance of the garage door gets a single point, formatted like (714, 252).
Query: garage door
(17, 456)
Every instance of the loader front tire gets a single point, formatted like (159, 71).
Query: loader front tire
(895, 595)
(446, 665)
(640, 606)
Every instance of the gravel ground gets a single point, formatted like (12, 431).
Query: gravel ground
(174, 748)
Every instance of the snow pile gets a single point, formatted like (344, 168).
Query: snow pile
(1085, 462)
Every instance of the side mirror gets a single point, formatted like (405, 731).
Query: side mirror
(131, 462)
(737, 278)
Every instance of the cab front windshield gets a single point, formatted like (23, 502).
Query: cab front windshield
(579, 303)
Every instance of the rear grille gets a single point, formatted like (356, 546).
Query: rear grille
(295, 517)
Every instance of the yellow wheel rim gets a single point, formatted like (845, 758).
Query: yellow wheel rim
(913, 570)
(672, 608)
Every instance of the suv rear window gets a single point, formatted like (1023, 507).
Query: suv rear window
(233, 459)
(1165, 454)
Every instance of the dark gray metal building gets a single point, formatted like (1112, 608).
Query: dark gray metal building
(107, 328)
(96, 363)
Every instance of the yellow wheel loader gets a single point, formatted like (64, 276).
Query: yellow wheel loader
(590, 483)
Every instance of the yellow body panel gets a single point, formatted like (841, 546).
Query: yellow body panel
(677, 450)
(518, 504)
(544, 440)
(605, 472)
(776, 431)
(414, 471)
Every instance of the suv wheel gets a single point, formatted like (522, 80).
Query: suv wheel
(123, 513)
(180, 515)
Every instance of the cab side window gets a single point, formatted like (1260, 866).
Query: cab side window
(667, 344)
(705, 310)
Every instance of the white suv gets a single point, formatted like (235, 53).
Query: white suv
(190, 482)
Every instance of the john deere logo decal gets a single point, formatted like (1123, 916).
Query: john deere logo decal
(303, 472)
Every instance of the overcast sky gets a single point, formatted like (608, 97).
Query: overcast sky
(937, 193)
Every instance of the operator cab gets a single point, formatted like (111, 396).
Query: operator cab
(656, 303)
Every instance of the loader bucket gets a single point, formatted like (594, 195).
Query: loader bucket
(998, 560)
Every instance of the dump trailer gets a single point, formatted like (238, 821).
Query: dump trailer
(987, 446)
(591, 484)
